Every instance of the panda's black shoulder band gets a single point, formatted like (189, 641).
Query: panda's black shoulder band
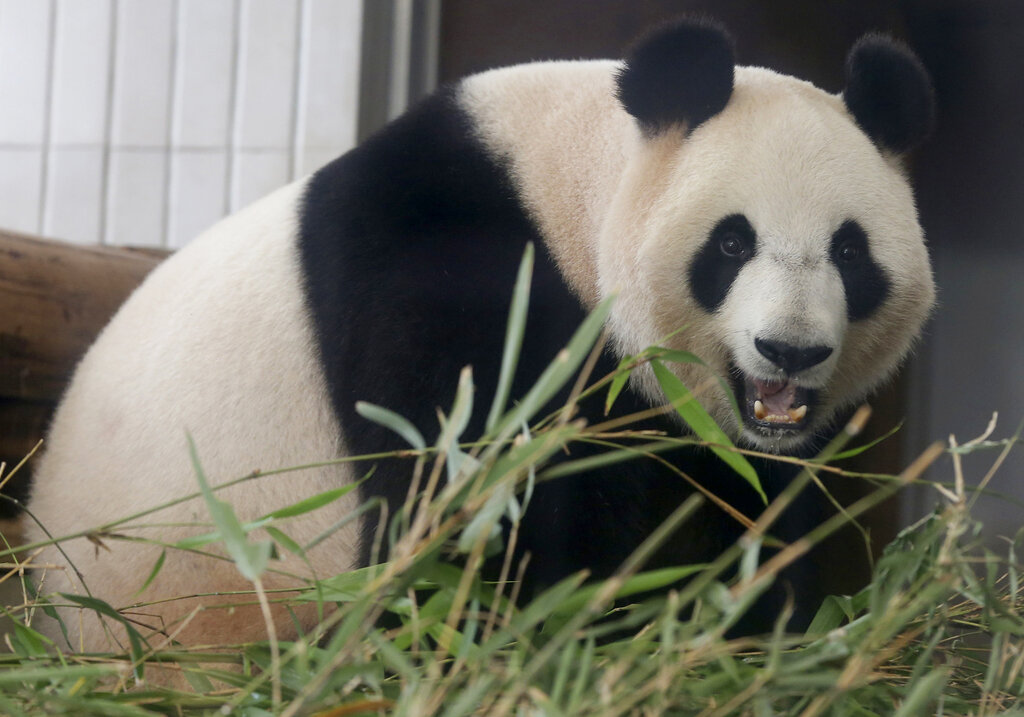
(680, 73)
(889, 93)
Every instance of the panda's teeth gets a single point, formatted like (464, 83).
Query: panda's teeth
(759, 411)
(795, 415)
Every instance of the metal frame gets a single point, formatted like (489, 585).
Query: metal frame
(399, 58)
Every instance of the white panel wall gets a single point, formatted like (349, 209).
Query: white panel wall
(25, 39)
(142, 122)
(82, 51)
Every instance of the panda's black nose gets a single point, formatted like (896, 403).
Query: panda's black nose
(792, 359)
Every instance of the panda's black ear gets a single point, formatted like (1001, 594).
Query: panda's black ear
(680, 73)
(889, 93)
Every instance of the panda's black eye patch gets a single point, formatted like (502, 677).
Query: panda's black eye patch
(864, 282)
(730, 245)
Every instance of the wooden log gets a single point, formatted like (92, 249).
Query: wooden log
(54, 299)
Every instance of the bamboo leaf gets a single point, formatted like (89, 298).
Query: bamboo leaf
(923, 694)
(99, 606)
(639, 583)
(389, 419)
(486, 518)
(850, 453)
(622, 374)
(312, 503)
(250, 558)
(687, 357)
(32, 643)
(153, 573)
(704, 426)
(559, 371)
(462, 409)
(514, 332)
(284, 541)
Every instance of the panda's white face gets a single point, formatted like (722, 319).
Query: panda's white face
(785, 246)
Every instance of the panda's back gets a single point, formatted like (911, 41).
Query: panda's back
(216, 344)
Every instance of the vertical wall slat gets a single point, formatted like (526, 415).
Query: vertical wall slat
(108, 119)
(300, 89)
(259, 173)
(81, 69)
(44, 170)
(198, 194)
(202, 117)
(173, 95)
(74, 194)
(239, 45)
(267, 77)
(332, 81)
(136, 197)
(141, 122)
(79, 86)
(24, 68)
(20, 175)
(141, 116)
(24, 63)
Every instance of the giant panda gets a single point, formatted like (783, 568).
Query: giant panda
(773, 222)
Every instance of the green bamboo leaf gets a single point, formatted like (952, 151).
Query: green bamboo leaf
(639, 583)
(923, 694)
(867, 446)
(61, 674)
(534, 452)
(135, 640)
(514, 332)
(346, 587)
(687, 357)
(704, 426)
(467, 646)
(468, 702)
(604, 459)
(312, 503)
(393, 658)
(284, 541)
(559, 371)
(622, 374)
(487, 518)
(453, 427)
(389, 419)
(152, 573)
(565, 662)
(306, 505)
(30, 642)
(583, 675)
(194, 542)
(539, 609)
(462, 407)
(830, 615)
(250, 558)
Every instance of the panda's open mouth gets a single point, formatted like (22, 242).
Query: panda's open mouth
(774, 405)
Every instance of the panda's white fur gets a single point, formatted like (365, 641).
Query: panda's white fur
(242, 379)
(219, 342)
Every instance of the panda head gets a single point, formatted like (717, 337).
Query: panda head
(769, 227)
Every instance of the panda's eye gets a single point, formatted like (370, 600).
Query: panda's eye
(733, 246)
(848, 252)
